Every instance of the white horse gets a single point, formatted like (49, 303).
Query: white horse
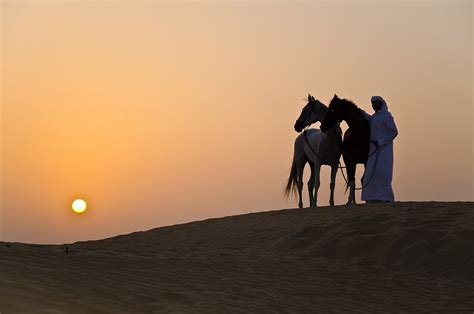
(316, 148)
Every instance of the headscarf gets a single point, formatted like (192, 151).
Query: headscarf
(380, 98)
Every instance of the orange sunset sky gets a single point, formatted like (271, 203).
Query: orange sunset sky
(158, 113)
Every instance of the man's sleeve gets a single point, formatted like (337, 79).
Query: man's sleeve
(390, 129)
(366, 115)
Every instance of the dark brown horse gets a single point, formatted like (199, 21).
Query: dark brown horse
(356, 141)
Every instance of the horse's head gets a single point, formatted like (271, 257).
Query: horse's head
(313, 112)
(336, 113)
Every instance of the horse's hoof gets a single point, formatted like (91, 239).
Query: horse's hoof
(300, 205)
(331, 203)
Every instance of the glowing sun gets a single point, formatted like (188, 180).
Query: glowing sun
(79, 206)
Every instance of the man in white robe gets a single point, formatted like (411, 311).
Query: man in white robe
(379, 171)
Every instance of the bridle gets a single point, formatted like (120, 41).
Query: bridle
(308, 121)
(340, 165)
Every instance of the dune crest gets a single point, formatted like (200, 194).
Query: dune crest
(378, 257)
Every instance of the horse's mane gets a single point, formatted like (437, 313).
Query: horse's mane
(322, 105)
(351, 104)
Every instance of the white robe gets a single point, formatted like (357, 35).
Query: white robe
(379, 171)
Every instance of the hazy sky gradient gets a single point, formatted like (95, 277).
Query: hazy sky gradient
(159, 113)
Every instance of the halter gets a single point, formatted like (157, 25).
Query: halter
(306, 133)
(308, 119)
(340, 165)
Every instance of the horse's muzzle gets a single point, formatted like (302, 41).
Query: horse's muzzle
(298, 127)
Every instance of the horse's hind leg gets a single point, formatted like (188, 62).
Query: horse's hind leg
(332, 184)
(299, 182)
(311, 185)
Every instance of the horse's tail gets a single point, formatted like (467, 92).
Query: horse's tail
(291, 184)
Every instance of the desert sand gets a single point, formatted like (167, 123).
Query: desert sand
(400, 257)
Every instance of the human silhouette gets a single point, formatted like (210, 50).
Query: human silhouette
(379, 170)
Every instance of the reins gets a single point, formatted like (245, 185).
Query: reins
(310, 147)
(306, 136)
(371, 175)
(340, 166)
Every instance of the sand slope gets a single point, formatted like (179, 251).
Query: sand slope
(401, 257)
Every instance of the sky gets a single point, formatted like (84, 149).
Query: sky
(159, 113)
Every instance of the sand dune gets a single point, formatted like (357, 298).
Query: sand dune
(401, 257)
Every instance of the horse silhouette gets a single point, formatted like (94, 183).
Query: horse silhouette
(356, 142)
(316, 148)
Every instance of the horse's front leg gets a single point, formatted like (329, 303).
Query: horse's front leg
(311, 185)
(332, 185)
(351, 168)
(353, 195)
(317, 171)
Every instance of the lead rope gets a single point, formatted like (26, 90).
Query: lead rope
(371, 175)
(309, 145)
(340, 166)
(306, 136)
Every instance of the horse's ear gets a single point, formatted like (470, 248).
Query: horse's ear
(312, 98)
(309, 97)
(335, 96)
